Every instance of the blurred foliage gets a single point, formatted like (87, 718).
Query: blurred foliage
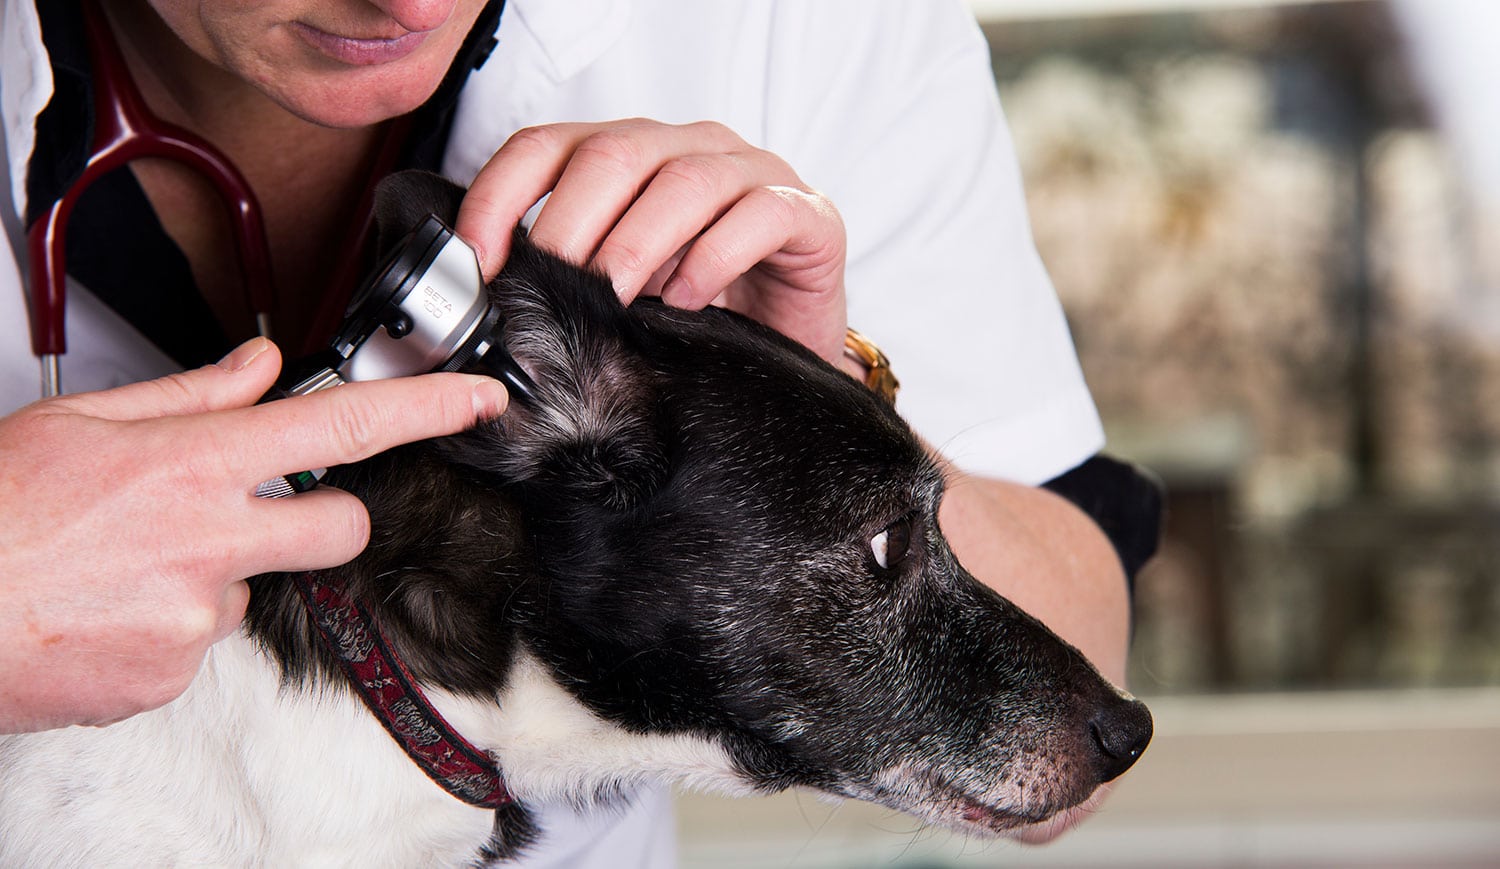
(1263, 249)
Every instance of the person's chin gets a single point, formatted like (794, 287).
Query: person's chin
(322, 90)
(358, 100)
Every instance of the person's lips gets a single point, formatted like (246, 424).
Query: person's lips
(360, 52)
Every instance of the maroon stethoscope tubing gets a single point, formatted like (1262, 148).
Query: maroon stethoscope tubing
(125, 130)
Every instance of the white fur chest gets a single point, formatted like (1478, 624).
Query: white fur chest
(241, 771)
(236, 772)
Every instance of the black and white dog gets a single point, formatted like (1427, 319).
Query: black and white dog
(704, 556)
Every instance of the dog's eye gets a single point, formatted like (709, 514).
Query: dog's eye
(890, 545)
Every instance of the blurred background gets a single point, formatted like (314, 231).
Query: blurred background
(1276, 230)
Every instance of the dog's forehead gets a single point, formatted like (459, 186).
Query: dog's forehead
(773, 411)
(829, 458)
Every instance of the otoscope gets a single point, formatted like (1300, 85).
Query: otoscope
(425, 309)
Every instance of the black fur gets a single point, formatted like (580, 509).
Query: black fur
(681, 534)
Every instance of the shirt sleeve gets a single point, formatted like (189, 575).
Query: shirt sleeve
(887, 106)
(890, 109)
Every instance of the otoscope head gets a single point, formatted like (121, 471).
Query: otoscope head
(427, 309)
(485, 353)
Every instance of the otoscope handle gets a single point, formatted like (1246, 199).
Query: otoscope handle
(298, 481)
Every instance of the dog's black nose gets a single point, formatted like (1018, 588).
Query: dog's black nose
(1121, 731)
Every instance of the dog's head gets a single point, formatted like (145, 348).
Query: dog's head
(723, 539)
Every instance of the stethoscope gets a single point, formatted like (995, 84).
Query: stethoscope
(424, 308)
(125, 130)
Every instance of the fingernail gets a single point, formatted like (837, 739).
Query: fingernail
(244, 354)
(487, 273)
(676, 292)
(490, 399)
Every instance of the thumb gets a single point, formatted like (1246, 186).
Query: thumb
(237, 380)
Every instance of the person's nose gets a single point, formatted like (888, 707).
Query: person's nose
(418, 15)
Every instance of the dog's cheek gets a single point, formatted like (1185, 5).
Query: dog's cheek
(844, 679)
(816, 680)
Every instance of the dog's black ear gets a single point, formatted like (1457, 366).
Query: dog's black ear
(615, 472)
(592, 437)
(404, 198)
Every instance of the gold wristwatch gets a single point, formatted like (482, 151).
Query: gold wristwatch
(878, 374)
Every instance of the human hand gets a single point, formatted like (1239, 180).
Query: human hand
(128, 521)
(692, 213)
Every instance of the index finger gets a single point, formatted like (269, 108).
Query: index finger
(355, 421)
(515, 178)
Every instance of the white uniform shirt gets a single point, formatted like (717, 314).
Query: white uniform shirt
(886, 106)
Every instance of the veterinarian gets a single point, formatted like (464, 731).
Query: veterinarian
(127, 526)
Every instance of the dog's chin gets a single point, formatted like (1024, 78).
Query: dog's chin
(1043, 832)
(941, 801)
(971, 815)
(1028, 824)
